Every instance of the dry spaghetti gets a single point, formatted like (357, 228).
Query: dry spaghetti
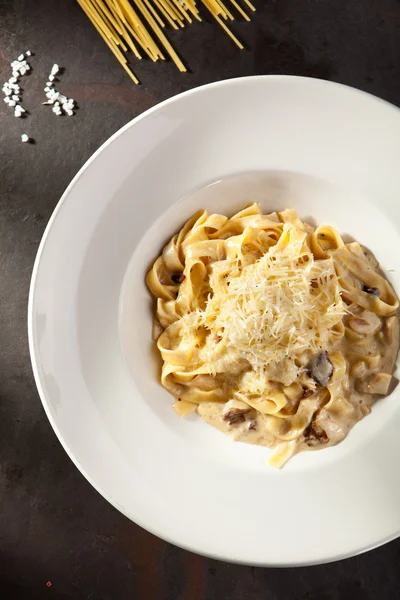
(137, 25)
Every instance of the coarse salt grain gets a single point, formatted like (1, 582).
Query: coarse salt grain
(60, 103)
(11, 89)
(25, 138)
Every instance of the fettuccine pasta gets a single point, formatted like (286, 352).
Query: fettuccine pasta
(276, 333)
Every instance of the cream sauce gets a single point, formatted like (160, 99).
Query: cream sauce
(329, 425)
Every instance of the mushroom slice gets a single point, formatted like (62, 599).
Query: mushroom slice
(321, 369)
(235, 412)
(374, 291)
(314, 435)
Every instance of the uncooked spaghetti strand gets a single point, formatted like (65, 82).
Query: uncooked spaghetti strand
(240, 10)
(120, 24)
(190, 6)
(229, 32)
(111, 44)
(142, 32)
(177, 14)
(104, 22)
(101, 23)
(249, 4)
(154, 13)
(214, 8)
(125, 31)
(130, 73)
(165, 13)
(225, 10)
(182, 10)
(139, 32)
(140, 41)
(143, 41)
(224, 27)
(173, 12)
(137, 25)
(141, 28)
(100, 26)
(117, 10)
(104, 8)
(117, 53)
(130, 32)
(158, 33)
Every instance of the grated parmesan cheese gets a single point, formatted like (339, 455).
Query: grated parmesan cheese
(271, 311)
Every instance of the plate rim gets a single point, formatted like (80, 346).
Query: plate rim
(31, 304)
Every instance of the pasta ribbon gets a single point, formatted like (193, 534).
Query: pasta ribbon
(275, 333)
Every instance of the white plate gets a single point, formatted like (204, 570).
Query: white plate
(329, 151)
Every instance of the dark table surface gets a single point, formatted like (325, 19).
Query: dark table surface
(54, 527)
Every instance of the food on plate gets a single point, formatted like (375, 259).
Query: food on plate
(277, 333)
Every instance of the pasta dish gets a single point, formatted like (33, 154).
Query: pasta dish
(275, 332)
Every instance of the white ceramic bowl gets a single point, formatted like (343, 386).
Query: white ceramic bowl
(328, 151)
